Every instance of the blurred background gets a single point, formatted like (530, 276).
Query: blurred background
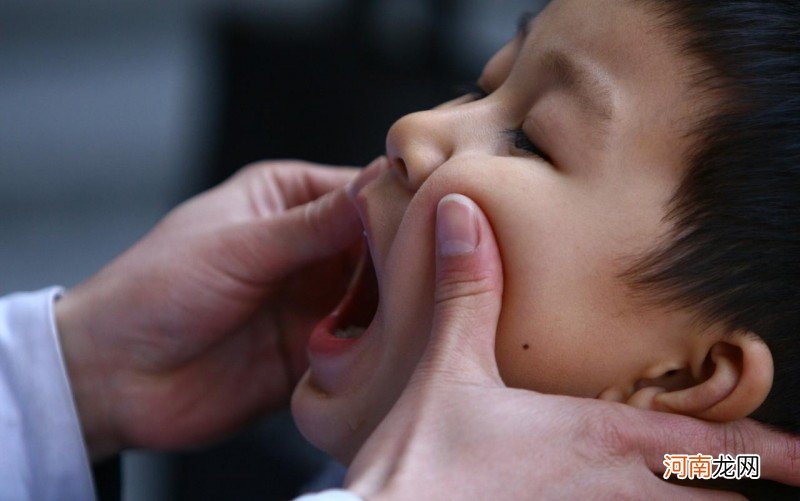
(111, 112)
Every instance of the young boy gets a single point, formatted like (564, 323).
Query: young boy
(639, 162)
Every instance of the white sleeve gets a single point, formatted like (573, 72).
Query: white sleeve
(42, 451)
(331, 495)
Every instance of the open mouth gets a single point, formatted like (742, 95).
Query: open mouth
(354, 313)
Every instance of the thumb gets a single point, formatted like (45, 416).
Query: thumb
(468, 296)
(302, 235)
(311, 232)
(321, 228)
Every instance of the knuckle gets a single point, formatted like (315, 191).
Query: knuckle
(269, 167)
(255, 168)
(459, 284)
(312, 217)
(792, 453)
(255, 175)
(606, 429)
(625, 490)
(733, 438)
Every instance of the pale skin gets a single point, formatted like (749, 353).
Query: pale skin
(88, 338)
(456, 415)
(162, 346)
(604, 101)
(201, 326)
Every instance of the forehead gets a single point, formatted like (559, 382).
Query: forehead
(624, 46)
(622, 38)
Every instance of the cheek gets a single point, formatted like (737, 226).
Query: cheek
(560, 329)
(547, 342)
(560, 326)
(548, 272)
(408, 288)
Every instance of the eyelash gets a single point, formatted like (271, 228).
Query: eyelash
(517, 136)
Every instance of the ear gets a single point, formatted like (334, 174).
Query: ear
(728, 380)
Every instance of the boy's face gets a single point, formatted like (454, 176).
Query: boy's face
(596, 86)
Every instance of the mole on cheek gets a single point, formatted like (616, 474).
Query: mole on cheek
(525, 346)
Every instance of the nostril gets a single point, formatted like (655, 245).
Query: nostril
(400, 166)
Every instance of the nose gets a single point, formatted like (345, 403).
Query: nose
(418, 144)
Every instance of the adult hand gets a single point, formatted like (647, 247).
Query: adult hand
(202, 325)
(458, 433)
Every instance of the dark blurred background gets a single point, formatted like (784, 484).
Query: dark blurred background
(111, 112)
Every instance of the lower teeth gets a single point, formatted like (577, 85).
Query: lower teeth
(349, 333)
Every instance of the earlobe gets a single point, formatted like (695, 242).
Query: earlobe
(734, 381)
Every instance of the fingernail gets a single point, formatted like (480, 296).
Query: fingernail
(366, 176)
(456, 226)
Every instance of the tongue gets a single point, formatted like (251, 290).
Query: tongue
(351, 332)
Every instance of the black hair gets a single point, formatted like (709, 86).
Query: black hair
(734, 256)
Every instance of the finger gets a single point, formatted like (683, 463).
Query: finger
(469, 284)
(284, 184)
(370, 173)
(324, 227)
(655, 488)
(298, 182)
(662, 433)
(309, 233)
(264, 249)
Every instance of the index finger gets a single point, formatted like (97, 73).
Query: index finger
(662, 433)
(300, 182)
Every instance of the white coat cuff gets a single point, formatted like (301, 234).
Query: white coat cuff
(43, 451)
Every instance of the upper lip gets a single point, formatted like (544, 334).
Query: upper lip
(358, 196)
(362, 204)
(381, 206)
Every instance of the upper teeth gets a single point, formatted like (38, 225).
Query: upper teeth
(349, 332)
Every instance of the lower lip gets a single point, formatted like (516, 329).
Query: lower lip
(322, 341)
(331, 359)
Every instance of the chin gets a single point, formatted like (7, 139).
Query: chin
(315, 414)
(362, 353)
(327, 403)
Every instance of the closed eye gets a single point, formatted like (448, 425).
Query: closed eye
(522, 141)
(519, 139)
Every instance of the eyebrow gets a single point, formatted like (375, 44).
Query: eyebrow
(524, 24)
(594, 96)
